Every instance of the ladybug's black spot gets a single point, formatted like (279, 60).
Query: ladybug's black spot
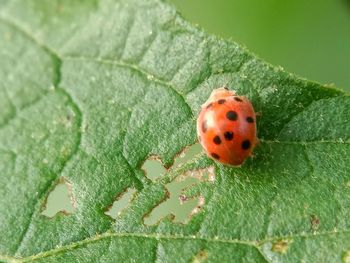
(245, 144)
(238, 99)
(214, 155)
(228, 135)
(209, 105)
(231, 115)
(217, 140)
(222, 101)
(250, 119)
(204, 126)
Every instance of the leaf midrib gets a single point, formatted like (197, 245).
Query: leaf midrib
(253, 243)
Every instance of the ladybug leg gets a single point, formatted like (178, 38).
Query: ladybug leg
(258, 114)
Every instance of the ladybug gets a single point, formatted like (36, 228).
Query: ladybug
(226, 127)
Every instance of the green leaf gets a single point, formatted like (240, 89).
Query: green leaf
(90, 90)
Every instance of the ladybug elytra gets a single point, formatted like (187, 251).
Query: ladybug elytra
(226, 127)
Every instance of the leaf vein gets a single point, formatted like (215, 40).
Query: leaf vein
(96, 238)
(138, 69)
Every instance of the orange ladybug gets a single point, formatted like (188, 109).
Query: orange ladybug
(226, 127)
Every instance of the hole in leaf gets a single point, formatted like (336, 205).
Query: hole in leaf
(187, 154)
(153, 168)
(179, 206)
(60, 200)
(122, 201)
(201, 256)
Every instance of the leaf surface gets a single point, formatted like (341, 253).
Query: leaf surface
(90, 90)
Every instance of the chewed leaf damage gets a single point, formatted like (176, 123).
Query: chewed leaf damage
(179, 206)
(60, 200)
(122, 201)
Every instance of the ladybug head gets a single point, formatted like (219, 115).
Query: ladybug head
(221, 93)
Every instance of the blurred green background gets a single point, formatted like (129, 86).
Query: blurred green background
(310, 38)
